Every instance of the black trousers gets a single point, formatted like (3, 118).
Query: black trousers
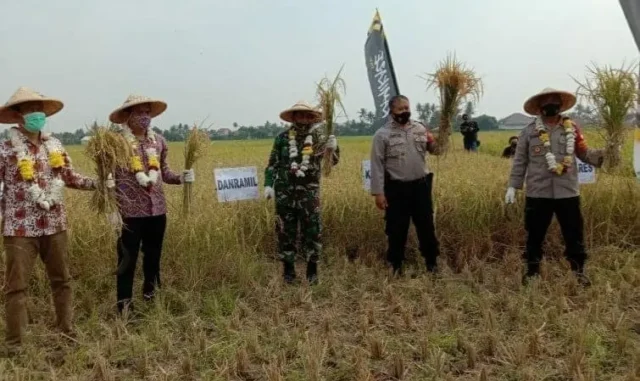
(148, 233)
(410, 201)
(538, 215)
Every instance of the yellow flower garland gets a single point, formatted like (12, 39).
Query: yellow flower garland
(567, 161)
(56, 160)
(136, 164)
(27, 169)
(154, 163)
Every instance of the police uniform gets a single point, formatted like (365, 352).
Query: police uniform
(550, 192)
(398, 171)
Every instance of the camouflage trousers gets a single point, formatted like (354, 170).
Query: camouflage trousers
(298, 220)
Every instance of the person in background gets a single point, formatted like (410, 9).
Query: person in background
(35, 168)
(402, 186)
(469, 130)
(510, 150)
(141, 197)
(546, 158)
(292, 177)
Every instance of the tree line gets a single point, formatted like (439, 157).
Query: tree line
(427, 113)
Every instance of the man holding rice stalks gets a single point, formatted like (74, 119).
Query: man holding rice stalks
(35, 168)
(140, 196)
(545, 156)
(292, 177)
(402, 185)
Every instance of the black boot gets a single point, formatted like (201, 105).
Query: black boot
(397, 269)
(312, 273)
(533, 271)
(578, 271)
(289, 273)
(432, 266)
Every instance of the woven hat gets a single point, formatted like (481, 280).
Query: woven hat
(23, 95)
(121, 114)
(532, 105)
(287, 115)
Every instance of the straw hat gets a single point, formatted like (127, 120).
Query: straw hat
(287, 115)
(121, 114)
(23, 95)
(532, 107)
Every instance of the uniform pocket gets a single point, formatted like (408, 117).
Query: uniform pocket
(562, 145)
(396, 147)
(420, 141)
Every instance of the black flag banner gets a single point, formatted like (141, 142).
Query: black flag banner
(382, 78)
(631, 9)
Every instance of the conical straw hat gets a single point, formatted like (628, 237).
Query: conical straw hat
(532, 107)
(8, 115)
(287, 115)
(121, 114)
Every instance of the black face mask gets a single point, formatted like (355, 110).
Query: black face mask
(551, 109)
(402, 118)
(513, 144)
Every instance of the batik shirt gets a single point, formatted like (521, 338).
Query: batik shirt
(21, 216)
(133, 199)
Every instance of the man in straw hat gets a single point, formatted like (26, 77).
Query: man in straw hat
(292, 177)
(141, 198)
(545, 156)
(35, 168)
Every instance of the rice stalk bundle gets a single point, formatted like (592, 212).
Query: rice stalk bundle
(613, 93)
(108, 150)
(194, 148)
(329, 93)
(455, 83)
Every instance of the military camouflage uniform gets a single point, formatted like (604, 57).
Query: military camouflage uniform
(297, 198)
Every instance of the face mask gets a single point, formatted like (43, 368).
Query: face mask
(402, 118)
(551, 109)
(140, 121)
(34, 122)
(513, 144)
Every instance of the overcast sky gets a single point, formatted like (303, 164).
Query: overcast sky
(245, 60)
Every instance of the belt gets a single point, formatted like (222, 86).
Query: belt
(421, 180)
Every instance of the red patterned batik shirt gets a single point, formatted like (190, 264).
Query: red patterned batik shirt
(137, 201)
(21, 216)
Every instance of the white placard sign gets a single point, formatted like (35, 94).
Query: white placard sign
(234, 184)
(366, 174)
(586, 172)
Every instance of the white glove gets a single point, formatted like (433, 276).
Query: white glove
(110, 183)
(114, 219)
(332, 143)
(510, 197)
(188, 176)
(269, 193)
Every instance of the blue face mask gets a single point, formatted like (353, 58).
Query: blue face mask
(34, 122)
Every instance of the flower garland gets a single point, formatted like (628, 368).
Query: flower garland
(307, 150)
(567, 162)
(44, 198)
(137, 167)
